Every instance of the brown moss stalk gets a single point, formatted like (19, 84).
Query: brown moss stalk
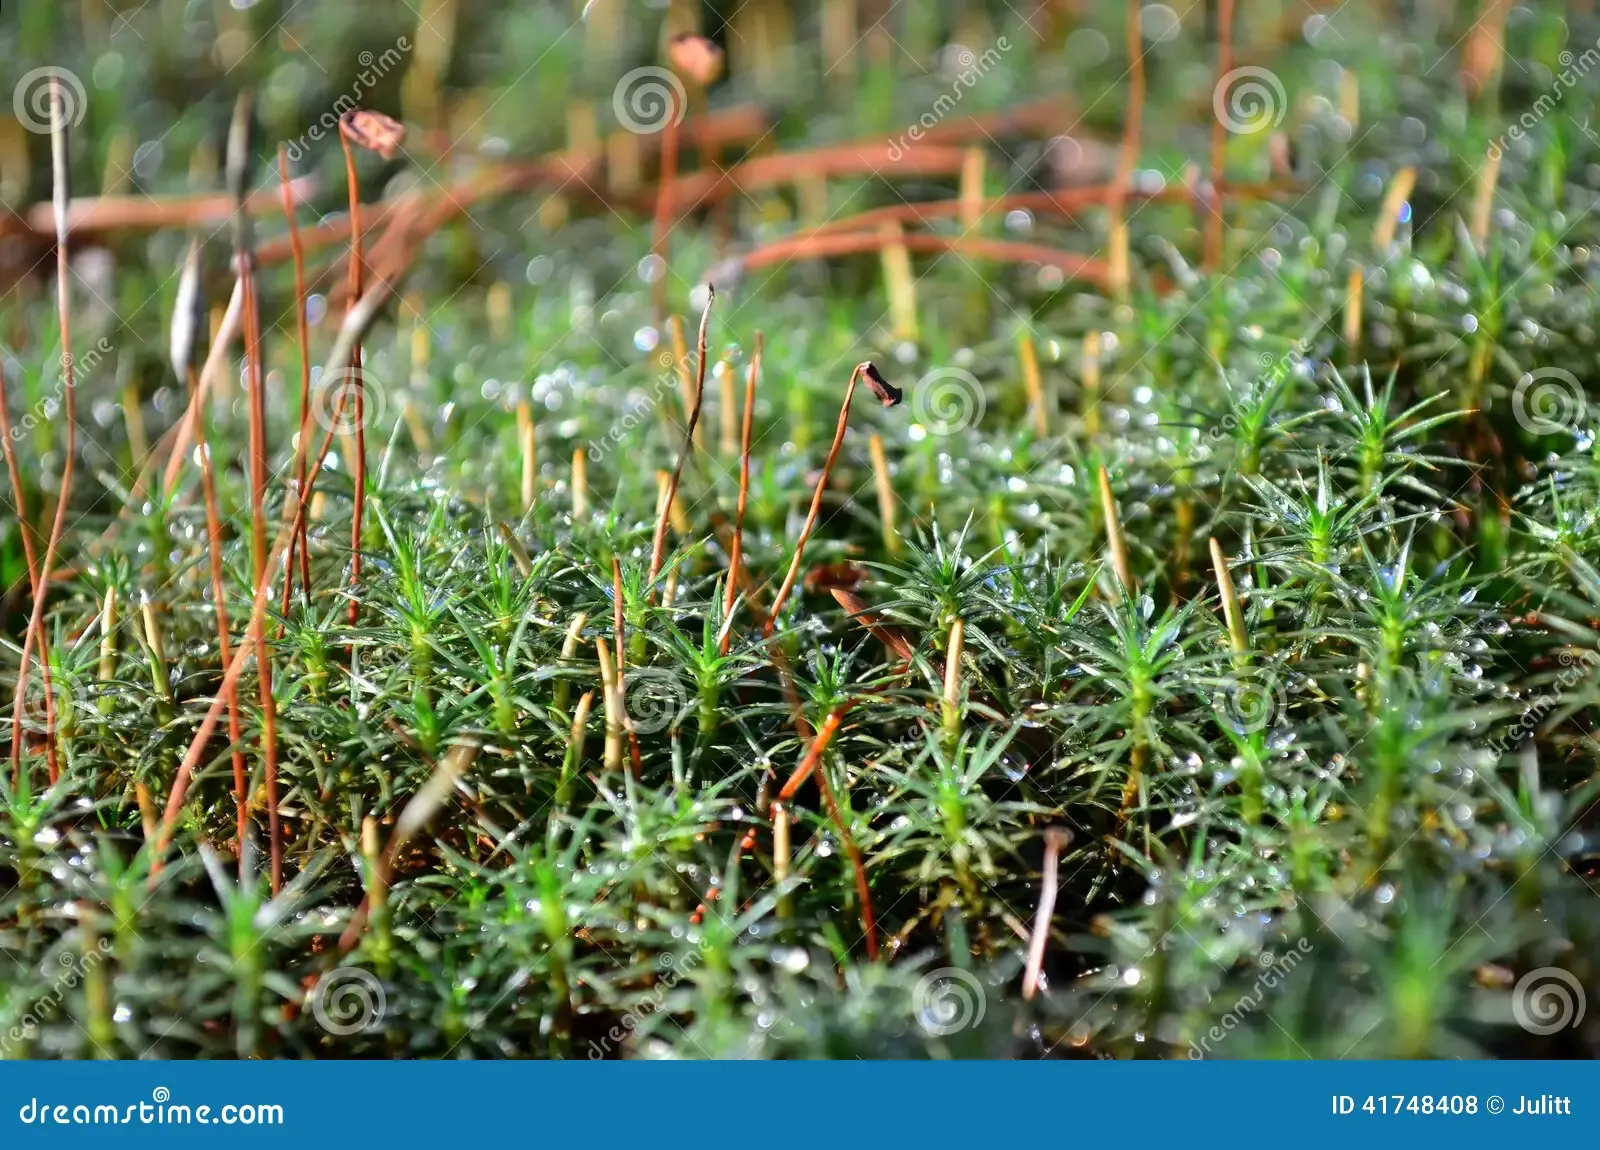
(219, 592)
(29, 550)
(354, 325)
(238, 177)
(62, 194)
(303, 339)
(888, 396)
(658, 545)
(730, 594)
(810, 764)
(359, 466)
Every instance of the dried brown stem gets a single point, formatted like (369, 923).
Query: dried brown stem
(182, 436)
(1071, 264)
(30, 553)
(118, 213)
(355, 324)
(888, 398)
(811, 764)
(359, 470)
(659, 544)
(238, 175)
(303, 338)
(219, 595)
(736, 552)
(62, 192)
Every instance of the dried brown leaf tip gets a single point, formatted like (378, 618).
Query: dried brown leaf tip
(373, 131)
(696, 57)
(887, 393)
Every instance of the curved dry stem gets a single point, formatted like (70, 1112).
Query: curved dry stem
(219, 595)
(30, 555)
(303, 338)
(736, 552)
(888, 396)
(62, 196)
(659, 545)
(359, 470)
